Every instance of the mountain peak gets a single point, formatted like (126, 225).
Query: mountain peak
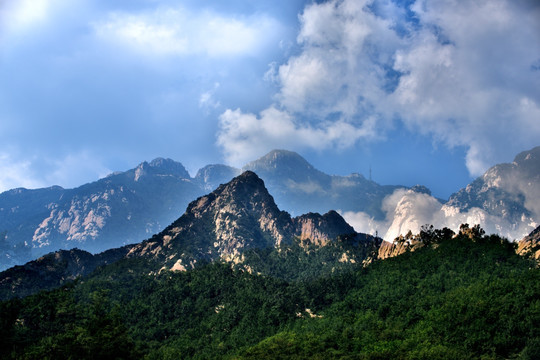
(279, 158)
(284, 164)
(213, 175)
(161, 166)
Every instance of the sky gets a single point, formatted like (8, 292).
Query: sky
(420, 92)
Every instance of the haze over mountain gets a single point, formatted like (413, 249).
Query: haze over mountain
(504, 201)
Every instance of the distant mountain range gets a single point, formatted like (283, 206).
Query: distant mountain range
(127, 207)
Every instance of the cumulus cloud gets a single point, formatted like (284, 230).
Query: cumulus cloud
(244, 135)
(179, 31)
(463, 73)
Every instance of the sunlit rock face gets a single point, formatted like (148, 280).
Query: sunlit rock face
(529, 246)
(236, 217)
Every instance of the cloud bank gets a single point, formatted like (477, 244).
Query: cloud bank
(408, 210)
(463, 73)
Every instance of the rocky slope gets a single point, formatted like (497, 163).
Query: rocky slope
(235, 218)
(507, 191)
(529, 246)
(122, 208)
(126, 207)
(504, 201)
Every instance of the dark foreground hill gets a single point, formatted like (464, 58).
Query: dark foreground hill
(459, 297)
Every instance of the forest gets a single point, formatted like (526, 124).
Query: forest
(462, 296)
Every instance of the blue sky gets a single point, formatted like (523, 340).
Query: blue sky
(430, 92)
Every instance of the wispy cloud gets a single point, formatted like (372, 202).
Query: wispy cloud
(26, 173)
(178, 31)
(16, 174)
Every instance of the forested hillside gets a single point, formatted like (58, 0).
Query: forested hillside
(463, 297)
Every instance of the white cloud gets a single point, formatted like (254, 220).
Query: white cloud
(15, 174)
(464, 74)
(73, 170)
(207, 99)
(244, 135)
(408, 210)
(18, 15)
(178, 31)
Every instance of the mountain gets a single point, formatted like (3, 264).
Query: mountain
(299, 188)
(237, 217)
(238, 223)
(467, 296)
(127, 207)
(508, 191)
(121, 208)
(504, 201)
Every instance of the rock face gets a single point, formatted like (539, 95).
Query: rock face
(321, 229)
(529, 246)
(509, 191)
(236, 217)
(393, 249)
(122, 208)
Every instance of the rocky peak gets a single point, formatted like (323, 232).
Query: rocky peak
(211, 176)
(321, 229)
(286, 165)
(508, 190)
(528, 162)
(237, 216)
(421, 189)
(161, 166)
